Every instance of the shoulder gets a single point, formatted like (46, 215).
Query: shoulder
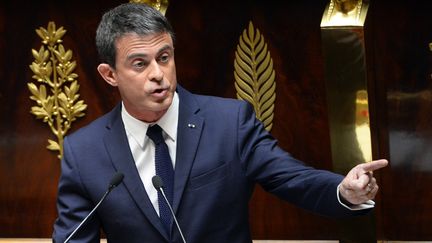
(97, 127)
(212, 103)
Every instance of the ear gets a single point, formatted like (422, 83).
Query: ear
(107, 73)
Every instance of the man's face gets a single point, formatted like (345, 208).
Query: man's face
(144, 74)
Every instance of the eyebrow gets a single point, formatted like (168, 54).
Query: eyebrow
(143, 55)
(165, 48)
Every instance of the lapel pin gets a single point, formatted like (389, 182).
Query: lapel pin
(190, 125)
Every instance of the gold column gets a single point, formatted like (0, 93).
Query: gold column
(343, 32)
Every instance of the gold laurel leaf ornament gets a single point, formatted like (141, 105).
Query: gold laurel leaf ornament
(254, 75)
(160, 5)
(56, 97)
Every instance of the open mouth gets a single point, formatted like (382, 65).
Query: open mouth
(160, 93)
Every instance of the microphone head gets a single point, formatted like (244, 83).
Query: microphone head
(157, 182)
(116, 180)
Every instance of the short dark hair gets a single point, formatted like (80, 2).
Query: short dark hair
(138, 18)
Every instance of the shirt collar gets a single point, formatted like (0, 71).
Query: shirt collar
(138, 129)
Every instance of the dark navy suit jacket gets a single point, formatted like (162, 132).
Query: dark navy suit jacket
(219, 160)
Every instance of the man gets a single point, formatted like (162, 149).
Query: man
(217, 147)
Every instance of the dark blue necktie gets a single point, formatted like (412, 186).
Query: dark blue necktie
(164, 169)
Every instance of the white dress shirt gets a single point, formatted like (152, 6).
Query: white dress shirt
(143, 150)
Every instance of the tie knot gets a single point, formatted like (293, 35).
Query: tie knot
(155, 134)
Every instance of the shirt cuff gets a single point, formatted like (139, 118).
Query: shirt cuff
(354, 207)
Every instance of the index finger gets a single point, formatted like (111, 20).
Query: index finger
(374, 165)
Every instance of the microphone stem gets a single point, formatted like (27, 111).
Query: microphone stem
(172, 212)
(88, 216)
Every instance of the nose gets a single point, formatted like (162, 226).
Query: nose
(155, 73)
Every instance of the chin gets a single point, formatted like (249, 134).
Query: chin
(164, 105)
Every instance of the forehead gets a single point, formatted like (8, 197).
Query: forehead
(132, 43)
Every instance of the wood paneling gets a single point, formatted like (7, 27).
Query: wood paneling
(402, 32)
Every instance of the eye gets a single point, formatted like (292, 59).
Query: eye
(164, 58)
(139, 64)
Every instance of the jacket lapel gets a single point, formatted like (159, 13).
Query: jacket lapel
(190, 126)
(118, 148)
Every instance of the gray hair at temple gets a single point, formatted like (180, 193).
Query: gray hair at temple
(124, 19)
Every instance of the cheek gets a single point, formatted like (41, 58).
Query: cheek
(171, 74)
(133, 87)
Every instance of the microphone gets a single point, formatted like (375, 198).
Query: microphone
(115, 181)
(158, 185)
